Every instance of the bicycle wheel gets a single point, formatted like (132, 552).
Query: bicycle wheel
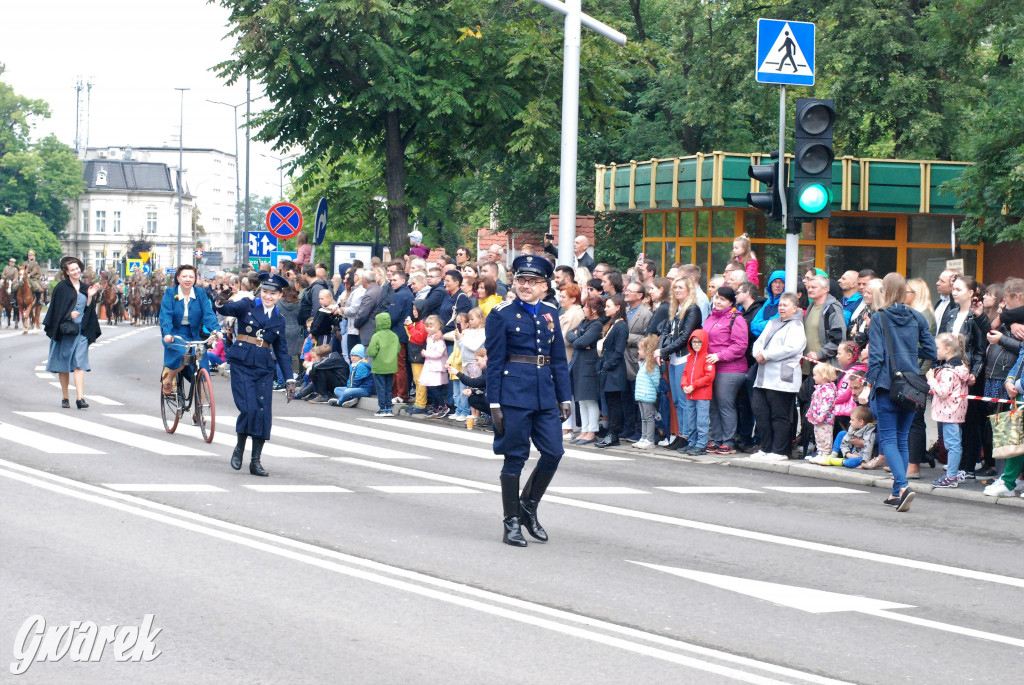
(205, 408)
(169, 410)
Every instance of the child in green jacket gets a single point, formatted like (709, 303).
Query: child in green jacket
(383, 350)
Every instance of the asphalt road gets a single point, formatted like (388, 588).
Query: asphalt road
(373, 554)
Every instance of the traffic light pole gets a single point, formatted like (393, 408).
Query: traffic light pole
(792, 239)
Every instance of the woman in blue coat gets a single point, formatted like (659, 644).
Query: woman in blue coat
(185, 311)
(260, 328)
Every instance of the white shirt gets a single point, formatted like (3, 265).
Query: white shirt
(191, 296)
(940, 309)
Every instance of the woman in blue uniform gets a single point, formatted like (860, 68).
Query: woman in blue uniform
(185, 311)
(260, 329)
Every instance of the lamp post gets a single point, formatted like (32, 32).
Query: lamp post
(181, 152)
(280, 170)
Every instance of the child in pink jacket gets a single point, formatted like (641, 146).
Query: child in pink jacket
(846, 400)
(821, 411)
(948, 383)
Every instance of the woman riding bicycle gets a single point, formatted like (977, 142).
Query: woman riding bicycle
(185, 312)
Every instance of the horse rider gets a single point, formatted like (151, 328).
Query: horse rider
(34, 274)
(10, 274)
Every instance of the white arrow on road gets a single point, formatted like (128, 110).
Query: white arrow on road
(823, 602)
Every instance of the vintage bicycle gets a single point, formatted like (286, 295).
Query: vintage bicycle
(193, 393)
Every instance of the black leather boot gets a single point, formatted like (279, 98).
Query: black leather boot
(610, 440)
(236, 456)
(255, 468)
(510, 506)
(532, 492)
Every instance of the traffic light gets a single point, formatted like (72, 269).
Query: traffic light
(811, 195)
(774, 177)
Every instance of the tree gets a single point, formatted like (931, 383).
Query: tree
(401, 81)
(138, 245)
(22, 232)
(39, 178)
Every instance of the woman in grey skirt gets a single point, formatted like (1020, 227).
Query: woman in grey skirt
(71, 303)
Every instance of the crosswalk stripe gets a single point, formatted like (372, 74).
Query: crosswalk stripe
(697, 490)
(162, 487)
(392, 436)
(296, 488)
(422, 426)
(47, 376)
(424, 489)
(293, 435)
(568, 490)
(41, 442)
(134, 440)
(817, 490)
(99, 399)
(41, 367)
(225, 438)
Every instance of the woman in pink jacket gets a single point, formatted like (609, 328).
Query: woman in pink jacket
(727, 350)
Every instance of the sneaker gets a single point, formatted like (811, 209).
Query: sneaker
(712, 446)
(667, 441)
(725, 449)
(961, 476)
(643, 444)
(967, 475)
(319, 399)
(985, 472)
(443, 411)
(333, 402)
(415, 410)
(351, 402)
(384, 413)
(457, 417)
(818, 459)
(998, 489)
(776, 457)
(946, 482)
(698, 451)
(758, 455)
(397, 400)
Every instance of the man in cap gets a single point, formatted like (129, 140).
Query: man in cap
(260, 328)
(528, 392)
(34, 274)
(10, 274)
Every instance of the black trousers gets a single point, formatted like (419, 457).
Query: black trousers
(616, 402)
(324, 382)
(918, 438)
(774, 412)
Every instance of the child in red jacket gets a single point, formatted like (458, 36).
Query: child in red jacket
(698, 377)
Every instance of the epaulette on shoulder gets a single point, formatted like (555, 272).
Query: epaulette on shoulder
(502, 305)
(548, 304)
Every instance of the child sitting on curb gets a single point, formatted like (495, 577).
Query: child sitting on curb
(855, 446)
(360, 380)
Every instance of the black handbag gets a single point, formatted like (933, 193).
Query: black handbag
(908, 390)
(69, 328)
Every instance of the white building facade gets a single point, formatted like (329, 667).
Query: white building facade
(122, 199)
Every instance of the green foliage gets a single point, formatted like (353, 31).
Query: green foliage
(22, 232)
(138, 245)
(39, 177)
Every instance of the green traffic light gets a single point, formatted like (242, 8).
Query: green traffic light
(813, 198)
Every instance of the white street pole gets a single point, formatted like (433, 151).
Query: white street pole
(792, 239)
(574, 19)
(181, 126)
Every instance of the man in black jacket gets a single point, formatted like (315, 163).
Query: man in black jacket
(400, 309)
(749, 303)
(431, 302)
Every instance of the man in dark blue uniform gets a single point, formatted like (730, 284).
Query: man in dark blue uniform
(528, 392)
(260, 329)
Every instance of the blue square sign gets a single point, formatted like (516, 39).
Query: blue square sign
(785, 52)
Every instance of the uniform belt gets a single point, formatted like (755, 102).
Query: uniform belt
(537, 359)
(252, 340)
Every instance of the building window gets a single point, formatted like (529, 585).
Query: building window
(101, 222)
(98, 263)
(85, 221)
(150, 222)
(117, 222)
(231, 224)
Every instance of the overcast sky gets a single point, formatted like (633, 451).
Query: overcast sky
(135, 52)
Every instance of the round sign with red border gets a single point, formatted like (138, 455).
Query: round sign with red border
(284, 220)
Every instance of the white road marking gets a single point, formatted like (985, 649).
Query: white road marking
(713, 528)
(816, 601)
(133, 440)
(405, 580)
(698, 490)
(41, 367)
(220, 436)
(47, 376)
(393, 436)
(424, 489)
(296, 488)
(568, 490)
(292, 435)
(162, 487)
(488, 439)
(41, 442)
(818, 490)
(100, 399)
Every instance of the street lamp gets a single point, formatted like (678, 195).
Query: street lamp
(181, 150)
(280, 169)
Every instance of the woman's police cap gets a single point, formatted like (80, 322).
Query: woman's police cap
(532, 265)
(273, 282)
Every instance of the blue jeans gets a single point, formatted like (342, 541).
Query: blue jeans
(893, 429)
(675, 380)
(383, 383)
(954, 447)
(699, 421)
(344, 394)
(461, 401)
(664, 407)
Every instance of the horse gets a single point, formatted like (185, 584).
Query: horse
(28, 308)
(147, 305)
(158, 298)
(112, 304)
(7, 304)
(135, 304)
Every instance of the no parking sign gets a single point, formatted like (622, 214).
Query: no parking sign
(284, 220)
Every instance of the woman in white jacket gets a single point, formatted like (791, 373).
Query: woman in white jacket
(777, 352)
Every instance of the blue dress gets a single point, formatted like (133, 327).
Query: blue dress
(70, 353)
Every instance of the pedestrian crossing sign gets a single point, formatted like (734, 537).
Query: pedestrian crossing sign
(785, 52)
